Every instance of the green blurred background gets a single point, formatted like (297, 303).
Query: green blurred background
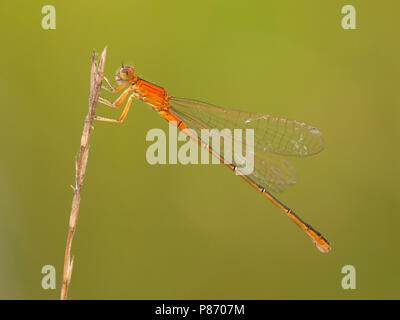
(199, 232)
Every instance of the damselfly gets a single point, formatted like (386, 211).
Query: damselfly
(273, 137)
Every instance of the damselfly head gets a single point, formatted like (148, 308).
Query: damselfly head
(126, 73)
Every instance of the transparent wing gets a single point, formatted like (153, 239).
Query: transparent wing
(272, 136)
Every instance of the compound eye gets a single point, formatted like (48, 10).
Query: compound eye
(125, 73)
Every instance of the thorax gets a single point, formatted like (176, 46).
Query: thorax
(152, 94)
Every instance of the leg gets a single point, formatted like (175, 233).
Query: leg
(118, 102)
(107, 103)
(111, 88)
(123, 115)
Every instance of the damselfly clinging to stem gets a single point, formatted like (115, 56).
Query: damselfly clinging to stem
(273, 136)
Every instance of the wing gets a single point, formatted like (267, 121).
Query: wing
(272, 136)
